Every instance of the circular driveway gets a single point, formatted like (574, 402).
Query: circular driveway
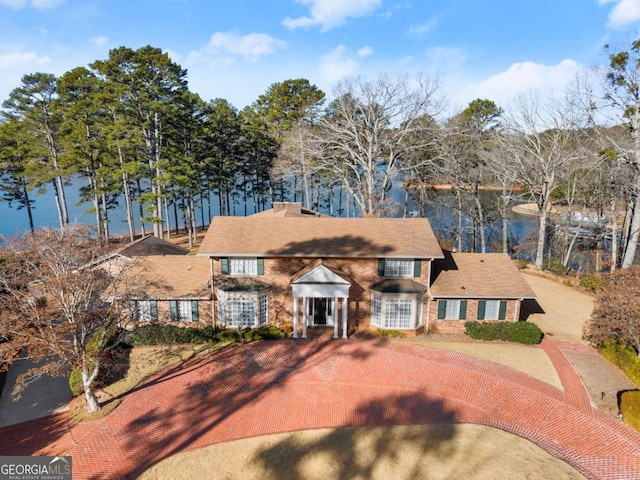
(282, 386)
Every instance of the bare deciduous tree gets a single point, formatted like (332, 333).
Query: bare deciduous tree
(540, 138)
(58, 304)
(363, 138)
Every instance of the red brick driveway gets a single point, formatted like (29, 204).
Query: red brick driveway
(288, 385)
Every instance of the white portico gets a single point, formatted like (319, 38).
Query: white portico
(320, 298)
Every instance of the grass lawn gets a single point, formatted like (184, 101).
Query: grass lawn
(140, 364)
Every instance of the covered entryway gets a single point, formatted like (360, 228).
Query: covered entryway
(320, 298)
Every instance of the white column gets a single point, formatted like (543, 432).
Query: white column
(305, 319)
(345, 304)
(295, 317)
(334, 311)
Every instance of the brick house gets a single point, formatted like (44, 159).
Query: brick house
(178, 289)
(292, 266)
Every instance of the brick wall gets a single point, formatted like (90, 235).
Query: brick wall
(363, 273)
(457, 326)
(204, 314)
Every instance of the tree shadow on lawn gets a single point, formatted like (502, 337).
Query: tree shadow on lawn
(222, 399)
(364, 452)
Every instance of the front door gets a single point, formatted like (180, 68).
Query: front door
(319, 311)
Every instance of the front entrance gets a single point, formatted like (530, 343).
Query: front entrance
(320, 311)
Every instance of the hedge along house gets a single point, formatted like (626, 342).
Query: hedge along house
(475, 286)
(292, 266)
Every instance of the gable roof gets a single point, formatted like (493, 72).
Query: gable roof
(151, 245)
(175, 276)
(312, 236)
(319, 273)
(478, 275)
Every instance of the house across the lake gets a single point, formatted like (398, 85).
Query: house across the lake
(292, 267)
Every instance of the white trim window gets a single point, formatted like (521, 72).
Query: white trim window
(398, 313)
(264, 309)
(184, 311)
(452, 309)
(243, 266)
(398, 267)
(376, 311)
(144, 310)
(491, 309)
(241, 312)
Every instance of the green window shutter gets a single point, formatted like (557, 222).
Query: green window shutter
(194, 311)
(261, 266)
(154, 310)
(133, 309)
(173, 305)
(442, 309)
(381, 267)
(224, 266)
(463, 310)
(417, 267)
(481, 306)
(503, 310)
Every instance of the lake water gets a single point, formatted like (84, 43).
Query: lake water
(438, 209)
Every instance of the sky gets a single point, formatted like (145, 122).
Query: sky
(235, 49)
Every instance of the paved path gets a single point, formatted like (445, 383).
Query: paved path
(288, 385)
(44, 396)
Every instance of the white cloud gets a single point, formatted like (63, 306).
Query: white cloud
(230, 44)
(444, 59)
(519, 78)
(338, 64)
(33, 3)
(423, 28)
(46, 3)
(329, 14)
(364, 51)
(19, 61)
(100, 40)
(624, 12)
(14, 3)
(14, 64)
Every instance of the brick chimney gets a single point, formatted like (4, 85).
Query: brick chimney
(293, 207)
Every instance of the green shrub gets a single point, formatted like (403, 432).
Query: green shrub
(521, 264)
(590, 281)
(75, 382)
(568, 282)
(156, 334)
(266, 332)
(630, 408)
(168, 335)
(554, 265)
(520, 332)
(624, 357)
(390, 333)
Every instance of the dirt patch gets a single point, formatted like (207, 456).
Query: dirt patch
(400, 452)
